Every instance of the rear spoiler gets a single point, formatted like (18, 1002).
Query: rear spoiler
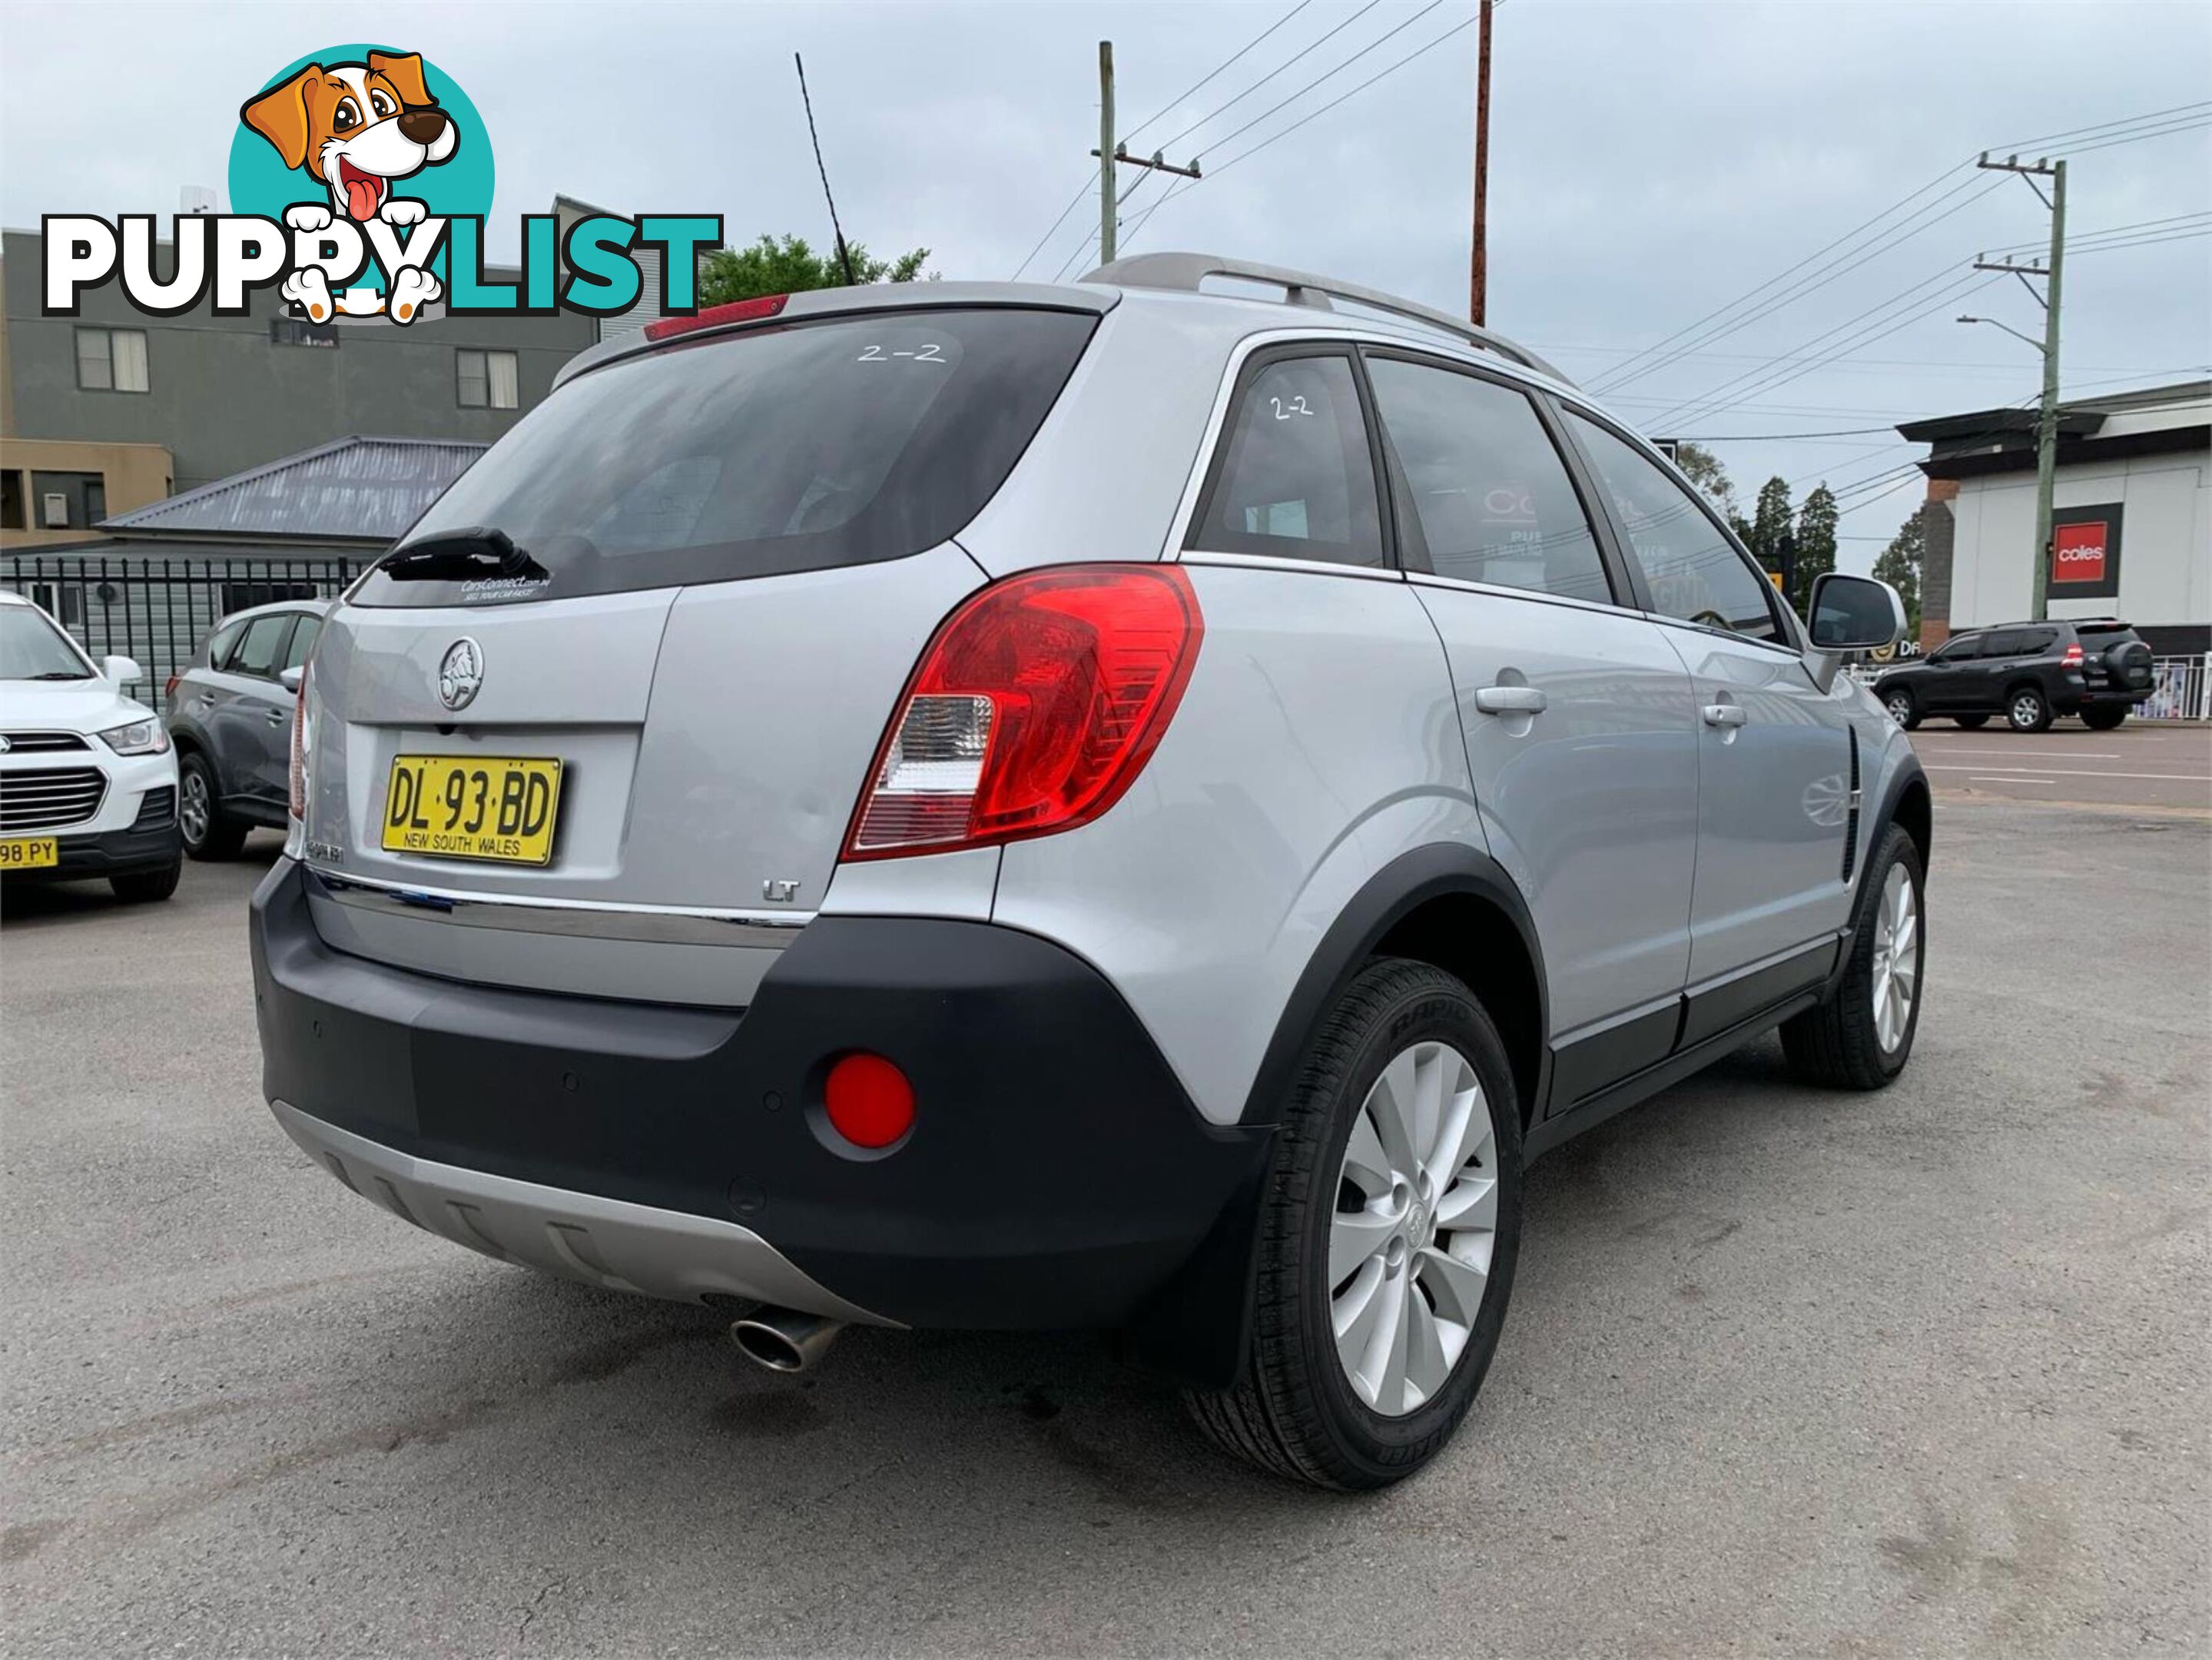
(857, 300)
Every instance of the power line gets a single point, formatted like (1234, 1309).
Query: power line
(1318, 79)
(1622, 375)
(2099, 126)
(1081, 190)
(1272, 73)
(1254, 149)
(1887, 327)
(1176, 102)
(1816, 349)
(1896, 236)
(1781, 276)
(1090, 182)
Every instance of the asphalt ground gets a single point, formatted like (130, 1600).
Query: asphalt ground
(1786, 1372)
(2141, 764)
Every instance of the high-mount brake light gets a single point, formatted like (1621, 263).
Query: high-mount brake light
(737, 311)
(1034, 706)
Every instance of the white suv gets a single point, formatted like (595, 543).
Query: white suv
(1110, 805)
(88, 781)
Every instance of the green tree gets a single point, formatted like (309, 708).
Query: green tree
(792, 266)
(1703, 468)
(1770, 522)
(1900, 566)
(1816, 544)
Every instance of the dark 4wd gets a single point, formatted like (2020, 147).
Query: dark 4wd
(2026, 673)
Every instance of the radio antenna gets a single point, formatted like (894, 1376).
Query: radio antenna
(844, 254)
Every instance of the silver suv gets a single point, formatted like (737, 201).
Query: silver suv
(1113, 805)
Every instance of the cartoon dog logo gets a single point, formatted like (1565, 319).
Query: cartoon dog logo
(356, 128)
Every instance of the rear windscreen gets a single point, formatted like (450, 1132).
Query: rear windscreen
(787, 448)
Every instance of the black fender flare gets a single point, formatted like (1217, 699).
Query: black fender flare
(1909, 777)
(1198, 1327)
(1387, 897)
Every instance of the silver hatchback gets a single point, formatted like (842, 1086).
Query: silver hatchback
(1114, 805)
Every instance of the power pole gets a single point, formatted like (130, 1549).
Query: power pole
(2046, 426)
(1478, 274)
(1110, 153)
(1105, 153)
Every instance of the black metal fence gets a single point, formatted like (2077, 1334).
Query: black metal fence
(157, 610)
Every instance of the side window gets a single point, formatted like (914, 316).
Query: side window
(1694, 572)
(219, 647)
(303, 641)
(1296, 478)
(1491, 500)
(261, 646)
(2007, 643)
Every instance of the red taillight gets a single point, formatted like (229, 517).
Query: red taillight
(2073, 658)
(1034, 706)
(169, 689)
(299, 751)
(868, 1101)
(737, 311)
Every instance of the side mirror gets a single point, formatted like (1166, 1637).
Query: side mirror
(1854, 613)
(121, 670)
(290, 678)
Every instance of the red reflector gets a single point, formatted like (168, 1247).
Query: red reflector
(737, 311)
(868, 1101)
(1034, 708)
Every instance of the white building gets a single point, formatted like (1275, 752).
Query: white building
(2132, 518)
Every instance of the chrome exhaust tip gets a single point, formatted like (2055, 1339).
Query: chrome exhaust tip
(784, 1339)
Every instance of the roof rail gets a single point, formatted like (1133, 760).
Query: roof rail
(1186, 271)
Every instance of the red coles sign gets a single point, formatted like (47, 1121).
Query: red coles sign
(2078, 553)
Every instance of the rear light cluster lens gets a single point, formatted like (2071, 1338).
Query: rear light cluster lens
(1034, 707)
(299, 751)
(2073, 658)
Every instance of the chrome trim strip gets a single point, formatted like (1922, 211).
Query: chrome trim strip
(1274, 562)
(590, 919)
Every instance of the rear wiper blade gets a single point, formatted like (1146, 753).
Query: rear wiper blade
(454, 555)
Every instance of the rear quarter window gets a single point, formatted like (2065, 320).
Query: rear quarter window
(792, 447)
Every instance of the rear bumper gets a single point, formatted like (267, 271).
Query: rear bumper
(1056, 1176)
(112, 853)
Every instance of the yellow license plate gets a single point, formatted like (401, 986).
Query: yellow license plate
(473, 807)
(30, 852)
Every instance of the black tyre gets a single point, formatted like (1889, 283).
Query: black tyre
(1904, 707)
(1862, 1037)
(1414, 1265)
(1971, 722)
(2103, 720)
(208, 832)
(144, 886)
(2026, 709)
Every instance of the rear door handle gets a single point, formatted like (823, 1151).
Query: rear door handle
(277, 717)
(1510, 700)
(1724, 714)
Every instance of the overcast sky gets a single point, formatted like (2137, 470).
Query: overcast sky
(1651, 162)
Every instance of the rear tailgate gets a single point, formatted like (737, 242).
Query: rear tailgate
(674, 608)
